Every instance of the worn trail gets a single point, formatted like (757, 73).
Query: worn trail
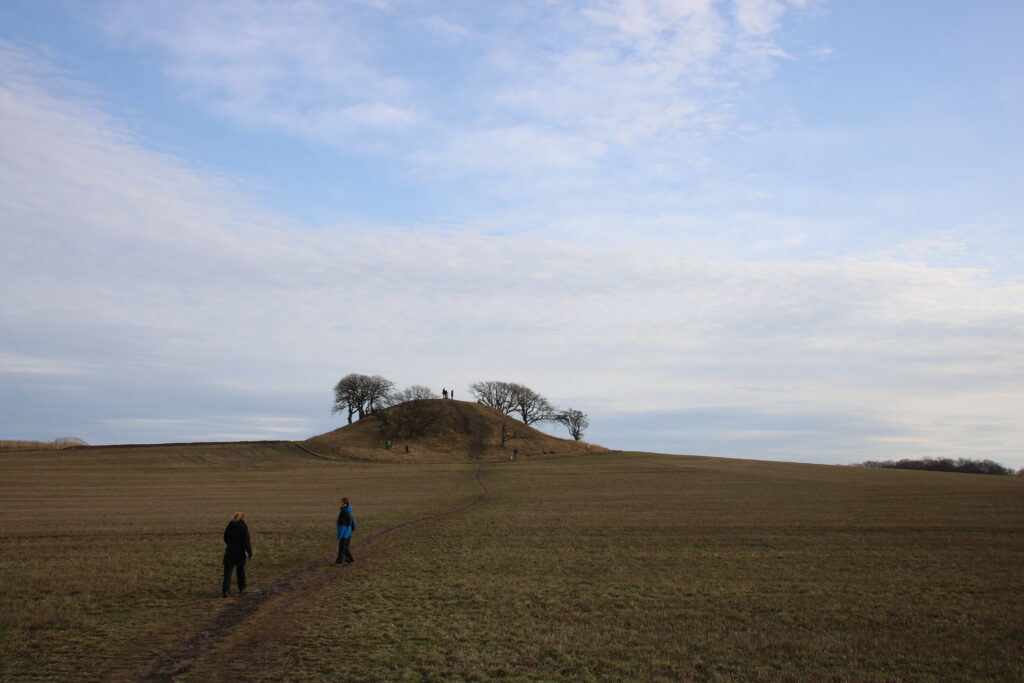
(179, 659)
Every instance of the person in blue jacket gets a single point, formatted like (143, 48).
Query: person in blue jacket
(346, 525)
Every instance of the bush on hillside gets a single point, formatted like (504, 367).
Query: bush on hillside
(943, 465)
(408, 419)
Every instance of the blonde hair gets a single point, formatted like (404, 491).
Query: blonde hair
(239, 516)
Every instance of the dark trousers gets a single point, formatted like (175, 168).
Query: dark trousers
(239, 568)
(343, 553)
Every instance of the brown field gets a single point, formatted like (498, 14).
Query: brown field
(607, 566)
(55, 445)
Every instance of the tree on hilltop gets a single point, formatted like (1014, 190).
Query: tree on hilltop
(361, 394)
(510, 397)
(575, 421)
(497, 395)
(530, 405)
(414, 393)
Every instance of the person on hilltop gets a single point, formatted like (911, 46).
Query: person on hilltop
(239, 548)
(346, 525)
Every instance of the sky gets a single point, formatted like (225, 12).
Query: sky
(771, 229)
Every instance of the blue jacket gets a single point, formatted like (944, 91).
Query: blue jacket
(346, 522)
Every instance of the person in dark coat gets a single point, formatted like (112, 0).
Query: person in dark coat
(346, 525)
(239, 548)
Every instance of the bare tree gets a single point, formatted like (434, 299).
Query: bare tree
(361, 394)
(575, 421)
(414, 393)
(530, 405)
(377, 391)
(509, 397)
(497, 395)
(348, 395)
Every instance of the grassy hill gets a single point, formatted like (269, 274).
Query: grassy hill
(604, 566)
(442, 430)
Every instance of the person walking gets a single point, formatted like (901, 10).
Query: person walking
(239, 548)
(346, 525)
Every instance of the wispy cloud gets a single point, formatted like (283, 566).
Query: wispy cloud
(758, 17)
(563, 86)
(301, 67)
(16, 363)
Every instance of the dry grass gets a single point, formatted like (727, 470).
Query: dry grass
(55, 445)
(631, 567)
(616, 566)
(109, 556)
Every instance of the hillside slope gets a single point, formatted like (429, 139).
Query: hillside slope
(442, 430)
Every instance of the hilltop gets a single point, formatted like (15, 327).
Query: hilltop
(442, 430)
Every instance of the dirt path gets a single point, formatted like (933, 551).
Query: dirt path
(180, 659)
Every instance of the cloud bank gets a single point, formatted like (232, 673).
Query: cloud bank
(150, 300)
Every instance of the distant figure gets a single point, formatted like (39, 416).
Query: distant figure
(239, 547)
(515, 453)
(346, 525)
(406, 448)
(444, 393)
(451, 394)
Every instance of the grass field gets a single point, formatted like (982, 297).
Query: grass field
(615, 566)
(55, 445)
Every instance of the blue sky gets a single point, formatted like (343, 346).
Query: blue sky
(782, 229)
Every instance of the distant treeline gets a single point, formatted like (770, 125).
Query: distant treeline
(945, 465)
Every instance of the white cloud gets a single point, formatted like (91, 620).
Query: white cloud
(758, 17)
(513, 150)
(822, 53)
(444, 27)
